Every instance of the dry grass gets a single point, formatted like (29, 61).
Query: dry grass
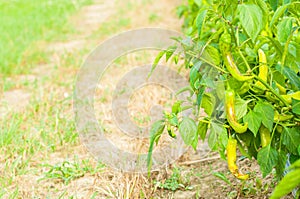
(44, 130)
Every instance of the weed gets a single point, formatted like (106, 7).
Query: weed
(67, 171)
(173, 183)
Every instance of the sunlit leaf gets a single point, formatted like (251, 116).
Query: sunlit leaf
(287, 184)
(188, 130)
(200, 20)
(266, 111)
(296, 106)
(284, 29)
(208, 103)
(155, 133)
(254, 121)
(251, 18)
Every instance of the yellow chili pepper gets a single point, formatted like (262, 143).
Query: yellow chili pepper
(263, 72)
(281, 117)
(233, 69)
(281, 89)
(225, 47)
(230, 113)
(289, 97)
(231, 159)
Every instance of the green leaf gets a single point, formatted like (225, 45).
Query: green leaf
(265, 10)
(274, 4)
(212, 140)
(251, 19)
(155, 133)
(176, 107)
(290, 74)
(176, 59)
(286, 1)
(222, 177)
(200, 20)
(295, 165)
(291, 139)
(195, 143)
(267, 158)
(296, 106)
(250, 52)
(223, 136)
(173, 120)
(170, 51)
(287, 184)
(198, 2)
(280, 167)
(266, 111)
(254, 121)
(240, 106)
(200, 94)
(284, 29)
(215, 131)
(188, 130)
(212, 54)
(202, 129)
(278, 14)
(230, 8)
(222, 142)
(208, 103)
(155, 63)
(194, 74)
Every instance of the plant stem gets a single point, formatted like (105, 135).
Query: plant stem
(273, 91)
(286, 48)
(245, 61)
(206, 61)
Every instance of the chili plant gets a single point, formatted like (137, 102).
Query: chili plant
(244, 72)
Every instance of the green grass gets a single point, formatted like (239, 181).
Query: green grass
(68, 170)
(23, 22)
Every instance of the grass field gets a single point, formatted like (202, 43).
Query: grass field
(23, 22)
(40, 152)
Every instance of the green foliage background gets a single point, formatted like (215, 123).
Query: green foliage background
(253, 25)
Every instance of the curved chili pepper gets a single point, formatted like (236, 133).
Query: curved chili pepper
(233, 69)
(225, 47)
(265, 136)
(281, 89)
(263, 71)
(289, 97)
(231, 159)
(230, 113)
(281, 117)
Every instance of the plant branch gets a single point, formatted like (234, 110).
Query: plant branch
(245, 61)
(273, 91)
(286, 48)
(206, 61)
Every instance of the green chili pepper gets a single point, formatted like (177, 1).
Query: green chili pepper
(265, 136)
